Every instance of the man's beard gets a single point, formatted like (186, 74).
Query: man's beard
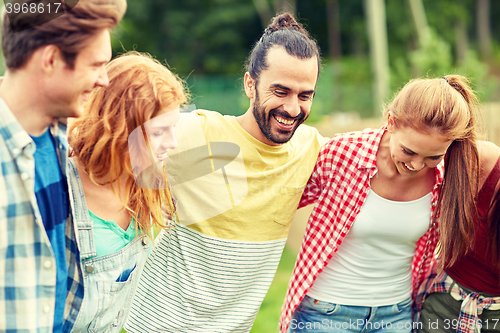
(264, 122)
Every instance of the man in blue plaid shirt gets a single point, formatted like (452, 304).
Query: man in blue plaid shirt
(53, 62)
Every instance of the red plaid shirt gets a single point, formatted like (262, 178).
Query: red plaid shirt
(339, 185)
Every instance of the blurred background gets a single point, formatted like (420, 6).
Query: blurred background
(370, 49)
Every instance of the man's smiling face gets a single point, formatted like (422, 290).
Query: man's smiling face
(283, 95)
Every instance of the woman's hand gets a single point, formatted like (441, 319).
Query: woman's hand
(166, 212)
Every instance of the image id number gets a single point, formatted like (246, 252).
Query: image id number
(32, 8)
(471, 324)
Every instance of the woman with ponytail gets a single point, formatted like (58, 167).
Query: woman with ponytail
(462, 293)
(378, 194)
(117, 185)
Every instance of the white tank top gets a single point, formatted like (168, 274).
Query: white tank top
(373, 264)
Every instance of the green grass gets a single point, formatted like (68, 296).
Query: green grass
(269, 313)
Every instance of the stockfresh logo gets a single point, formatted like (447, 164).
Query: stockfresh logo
(26, 14)
(198, 172)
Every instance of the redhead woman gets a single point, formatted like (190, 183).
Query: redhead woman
(113, 213)
(370, 238)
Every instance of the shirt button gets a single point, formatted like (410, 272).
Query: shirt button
(89, 268)
(46, 308)
(47, 264)
(16, 151)
(25, 176)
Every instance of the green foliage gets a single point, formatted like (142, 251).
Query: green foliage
(478, 72)
(400, 30)
(434, 59)
(210, 36)
(2, 63)
(434, 56)
(343, 86)
(442, 16)
(221, 93)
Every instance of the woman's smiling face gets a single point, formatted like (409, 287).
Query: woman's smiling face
(161, 132)
(412, 150)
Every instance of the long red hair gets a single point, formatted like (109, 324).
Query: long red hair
(140, 88)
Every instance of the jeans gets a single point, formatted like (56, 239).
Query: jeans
(110, 280)
(317, 316)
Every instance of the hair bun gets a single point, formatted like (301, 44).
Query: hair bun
(285, 21)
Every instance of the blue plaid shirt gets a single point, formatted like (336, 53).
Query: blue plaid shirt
(27, 264)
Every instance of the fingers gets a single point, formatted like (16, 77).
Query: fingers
(165, 212)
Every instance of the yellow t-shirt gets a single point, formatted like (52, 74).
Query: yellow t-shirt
(228, 184)
(235, 198)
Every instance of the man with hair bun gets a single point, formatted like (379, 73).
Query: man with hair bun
(212, 269)
(52, 66)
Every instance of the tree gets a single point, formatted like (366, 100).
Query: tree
(264, 10)
(209, 36)
(333, 19)
(285, 6)
(483, 28)
(377, 31)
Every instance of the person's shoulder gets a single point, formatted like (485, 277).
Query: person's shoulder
(487, 148)
(489, 153)
(213, 115)
(306, 132)
(352, 146)
(205, 113)
(211, 118)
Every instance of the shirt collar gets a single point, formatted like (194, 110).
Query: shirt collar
(439, 173)
(16, 138)
(368, 153)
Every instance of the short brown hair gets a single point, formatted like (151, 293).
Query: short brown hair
(69, 32)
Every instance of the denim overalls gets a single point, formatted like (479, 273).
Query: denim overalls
(110, 280)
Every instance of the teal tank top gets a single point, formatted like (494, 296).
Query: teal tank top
(109, 237)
